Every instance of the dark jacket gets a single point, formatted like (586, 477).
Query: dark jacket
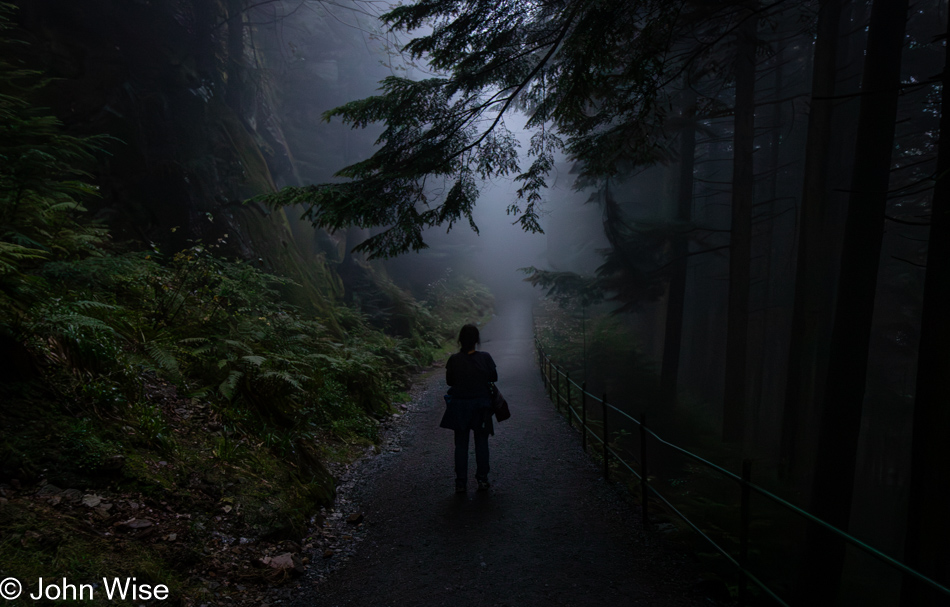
(468, 375)
(468, 403)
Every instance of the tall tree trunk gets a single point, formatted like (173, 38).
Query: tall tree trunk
(811, 255)
(928, 528)
(676, 298)
(764, 354)
(833, 484)
(740, 244)
(204, 41)
(235, 86)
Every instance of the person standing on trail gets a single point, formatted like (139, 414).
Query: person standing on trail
(469, 373)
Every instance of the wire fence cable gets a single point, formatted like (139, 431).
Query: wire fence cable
(554, 388)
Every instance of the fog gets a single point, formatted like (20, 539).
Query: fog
(754, 248)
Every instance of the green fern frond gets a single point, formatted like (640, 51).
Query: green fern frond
(238, 345)
(255, 360)
(285, 377)
(93, 305)
(228, 388)
(162, 357)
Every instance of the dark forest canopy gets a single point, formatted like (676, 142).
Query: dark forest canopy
(594, 79)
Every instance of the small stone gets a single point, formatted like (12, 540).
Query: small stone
(285, 562)
(4, 501)
(55, 500)
(172, 537)
(291, 546)
(355, 519)
(91, 501)
(135, 523)
(72, 495)
(328, 553)
(48, 490)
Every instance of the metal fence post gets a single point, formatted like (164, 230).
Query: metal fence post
(606, 443)
(744, 515)
(557, 389)
(584, 416)
(544, 375)
(570, 410)
(644, 473)
(541, 361)
(547, 361)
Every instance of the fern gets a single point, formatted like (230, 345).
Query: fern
(163, 358)
(257, 361)
(228, 388)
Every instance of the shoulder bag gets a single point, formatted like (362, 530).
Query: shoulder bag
(499, 406)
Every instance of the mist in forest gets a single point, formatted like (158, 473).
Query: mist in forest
(741, 212)
(501, 250)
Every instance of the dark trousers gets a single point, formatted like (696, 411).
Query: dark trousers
(461, 455)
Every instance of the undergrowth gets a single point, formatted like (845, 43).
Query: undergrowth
(177, 381)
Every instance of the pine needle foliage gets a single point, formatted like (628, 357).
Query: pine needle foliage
(635, 270)
(592, 76)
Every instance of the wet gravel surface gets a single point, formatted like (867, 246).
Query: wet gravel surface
(549, 532)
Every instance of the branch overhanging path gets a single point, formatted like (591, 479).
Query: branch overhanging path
(550, 532)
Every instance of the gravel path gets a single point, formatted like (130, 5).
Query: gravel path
(550, 532)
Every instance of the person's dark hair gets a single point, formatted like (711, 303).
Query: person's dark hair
(468, 337)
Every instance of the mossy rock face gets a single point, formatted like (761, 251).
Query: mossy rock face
(183, 160)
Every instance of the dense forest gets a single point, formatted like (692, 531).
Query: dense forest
(243, 207)
(176, 357)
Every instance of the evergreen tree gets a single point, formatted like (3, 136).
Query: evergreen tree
(593, 78)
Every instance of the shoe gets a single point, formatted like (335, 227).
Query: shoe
(483, 485)
(460, 487)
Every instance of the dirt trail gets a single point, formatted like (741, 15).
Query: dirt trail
(550, 532)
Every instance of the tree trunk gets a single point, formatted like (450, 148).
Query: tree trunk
(204, 41)
(762, 331)
(833, 483)
(928, 528)
(740, 246)
(672, 340)
(811, 255)
(235, 85)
